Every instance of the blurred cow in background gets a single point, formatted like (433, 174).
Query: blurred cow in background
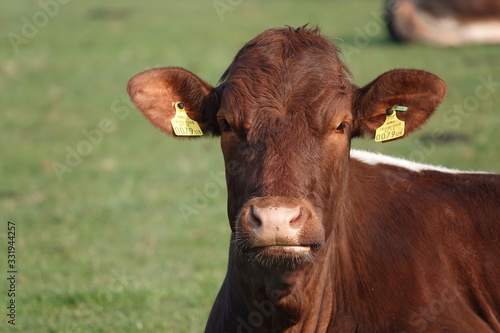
(444, 22)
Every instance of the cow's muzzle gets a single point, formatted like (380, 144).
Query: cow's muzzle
(277, 229)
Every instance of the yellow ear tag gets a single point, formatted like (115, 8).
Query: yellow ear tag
(392, 128)
(182, 124)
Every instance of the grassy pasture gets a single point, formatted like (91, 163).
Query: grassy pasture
(97, 194)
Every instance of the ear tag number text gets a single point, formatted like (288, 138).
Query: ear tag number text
(182, 124)
(392, 128)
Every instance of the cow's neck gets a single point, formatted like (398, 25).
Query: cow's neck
(280, 298)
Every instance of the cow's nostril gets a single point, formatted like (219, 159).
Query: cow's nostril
(296, 219)
(253, 218)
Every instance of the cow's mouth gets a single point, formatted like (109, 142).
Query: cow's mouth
(291, 256)
(284, 250)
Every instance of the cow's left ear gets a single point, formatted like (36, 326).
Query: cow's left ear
(155, 92)
(419, 91)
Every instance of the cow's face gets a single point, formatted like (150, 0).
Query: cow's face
(286, 112)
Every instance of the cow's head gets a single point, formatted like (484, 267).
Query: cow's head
(286, 112)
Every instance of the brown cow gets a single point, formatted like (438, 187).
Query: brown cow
(445, 22)
(325, 239)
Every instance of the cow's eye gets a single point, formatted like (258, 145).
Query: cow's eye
(341, 127)
(224, 125)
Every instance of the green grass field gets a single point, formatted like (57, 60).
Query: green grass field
(97, 194)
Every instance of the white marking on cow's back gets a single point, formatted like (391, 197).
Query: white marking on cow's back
(377, 158)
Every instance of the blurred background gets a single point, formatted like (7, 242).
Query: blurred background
(122, 229)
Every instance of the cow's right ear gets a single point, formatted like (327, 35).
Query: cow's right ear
(155, 92)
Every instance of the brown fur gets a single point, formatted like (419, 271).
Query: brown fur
(392, 250)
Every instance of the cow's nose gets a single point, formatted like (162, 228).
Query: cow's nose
(272, 224)
(274, 217)
(286, 222)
